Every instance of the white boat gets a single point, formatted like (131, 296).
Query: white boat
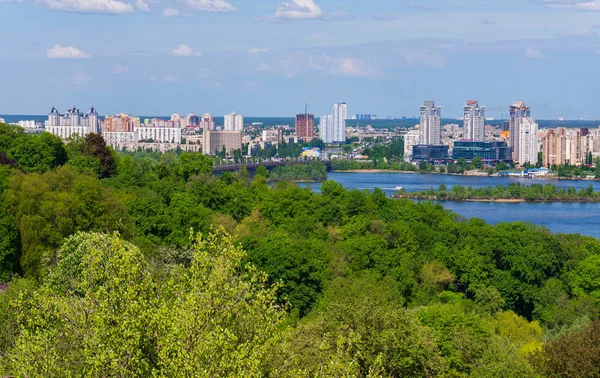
(399, 188)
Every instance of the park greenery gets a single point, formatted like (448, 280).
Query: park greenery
(514, 191)
(144, 264)
(313, 171)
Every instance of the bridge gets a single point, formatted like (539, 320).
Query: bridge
(268, 164)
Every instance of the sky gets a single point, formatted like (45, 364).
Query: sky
(266, 57)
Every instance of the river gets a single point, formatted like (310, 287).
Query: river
(582, 218)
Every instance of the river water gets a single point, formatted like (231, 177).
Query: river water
(568, 218)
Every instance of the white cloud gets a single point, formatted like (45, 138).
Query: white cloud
(184, 50)
(257, 51)
(119, 69)
(171, 12)
(588, 5)
(263, 67)
(353, 68)
(170, 78)
(88, 6)
(535, 54)
(66, 52)
(142, 5)
(210, 6)
(298, 9)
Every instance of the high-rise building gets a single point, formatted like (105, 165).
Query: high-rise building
(474, 121)
(216, 141)
(192, 120)
(523, 134)
(305, 126)
(233, 122)
(207, 122)
(565, 146)
(119, 131)
(326, 128)
(431, 124)
(338, 120)
(73, 122)
(411, 139)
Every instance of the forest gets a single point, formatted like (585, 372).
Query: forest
(142, 264)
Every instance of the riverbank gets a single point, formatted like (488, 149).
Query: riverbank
(494, 200)
(513, 193)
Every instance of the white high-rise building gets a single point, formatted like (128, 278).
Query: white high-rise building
(474, 121)
(523, 134)
(411, 139)
(528, 142)
(74, 122)
(338, 119)
(326, 128)
(332, 128)
(430, 131)
(233, 122)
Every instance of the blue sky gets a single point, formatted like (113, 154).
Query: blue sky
(263, 57)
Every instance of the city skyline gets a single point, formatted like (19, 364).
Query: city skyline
(394, 53)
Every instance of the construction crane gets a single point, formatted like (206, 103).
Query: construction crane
(305, 105)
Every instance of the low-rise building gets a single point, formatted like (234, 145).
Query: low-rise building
(490, 152)
(432, 153)
(216, 141)
(273, 136)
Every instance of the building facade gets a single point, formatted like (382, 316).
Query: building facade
(305, 126)
(431, 153)
(119, 131)
(474, 121)
(490, 152)
(73, 122)
(411, 139)
(207, 122)
(233, 122)
(326, 128)
(562, 146)
(523, 134)
(431, 124)
(215, 141)
(160, 131)
(273, 136)
(338, 120)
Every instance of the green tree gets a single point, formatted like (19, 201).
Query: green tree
(359, 329)
(102, 312)
(51, 206)
(96, 147)
(38, 153)
(478, 162)
(194, 163)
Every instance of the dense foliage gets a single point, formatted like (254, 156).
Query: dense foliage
(132, 271)
(313, 171)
